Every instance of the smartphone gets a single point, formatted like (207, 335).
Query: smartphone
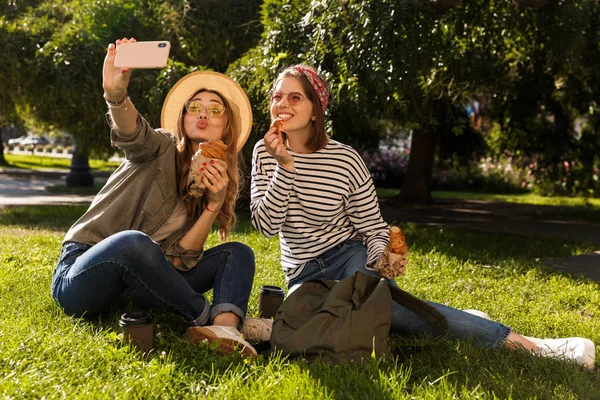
(142, 54)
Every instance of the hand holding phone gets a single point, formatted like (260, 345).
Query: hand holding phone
(154, 54)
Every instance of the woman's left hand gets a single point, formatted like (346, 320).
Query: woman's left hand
(215, 178)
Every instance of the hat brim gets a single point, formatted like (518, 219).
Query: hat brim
(227, 87)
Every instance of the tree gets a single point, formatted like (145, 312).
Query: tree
(392, 60)
(548, 109)
(66, 43)
(399, 60)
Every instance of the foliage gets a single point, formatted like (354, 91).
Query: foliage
(387, 166)
(64, 42)
(548, 109)
(485, 175)
(404, 62)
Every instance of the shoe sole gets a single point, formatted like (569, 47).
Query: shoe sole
(224, 345)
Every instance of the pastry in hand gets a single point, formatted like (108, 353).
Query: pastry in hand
(212, 149)
(397, 241)
(277, 124)
(392, 262)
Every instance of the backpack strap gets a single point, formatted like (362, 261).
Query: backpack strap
(421, 308)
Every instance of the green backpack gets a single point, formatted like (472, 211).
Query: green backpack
(345, 320)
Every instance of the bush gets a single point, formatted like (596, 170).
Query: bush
(387, 166)
(488, 175)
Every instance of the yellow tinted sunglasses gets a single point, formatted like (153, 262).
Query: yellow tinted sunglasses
(215, 110)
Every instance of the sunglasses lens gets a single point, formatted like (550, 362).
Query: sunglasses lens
(294, 98)
(193, 107)
(215, 110)
(276, 97)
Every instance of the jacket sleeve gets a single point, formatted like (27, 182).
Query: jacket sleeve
(172, 249)
(364, 213)
(144, 144)
(270, 192)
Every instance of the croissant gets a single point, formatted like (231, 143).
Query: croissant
(206, 150)
(277, 124)
(213, 149)
(397, 241)
(392, 262)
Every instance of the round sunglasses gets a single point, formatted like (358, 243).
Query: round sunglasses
(293, 98)
(214, 110)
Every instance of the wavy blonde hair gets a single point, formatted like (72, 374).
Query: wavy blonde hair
(194, 206)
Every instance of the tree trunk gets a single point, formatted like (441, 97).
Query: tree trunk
(3, 161)
(419, 174)
(416, 187)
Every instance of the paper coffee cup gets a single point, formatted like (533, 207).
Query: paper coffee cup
(138, 329)
(270, 299)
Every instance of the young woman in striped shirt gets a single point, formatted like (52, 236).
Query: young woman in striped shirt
(318, 196)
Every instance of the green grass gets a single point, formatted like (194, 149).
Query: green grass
(47, 162)
(46, 354)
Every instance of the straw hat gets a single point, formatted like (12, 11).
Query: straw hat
(227, 87)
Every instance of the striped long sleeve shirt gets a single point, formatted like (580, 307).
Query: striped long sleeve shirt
(328, 199)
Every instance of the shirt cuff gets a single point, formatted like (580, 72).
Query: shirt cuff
(189, 258)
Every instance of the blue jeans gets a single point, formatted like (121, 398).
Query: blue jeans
(131, 267)
(346, 259)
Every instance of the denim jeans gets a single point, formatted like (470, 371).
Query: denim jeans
(346, 259)
(131, 267)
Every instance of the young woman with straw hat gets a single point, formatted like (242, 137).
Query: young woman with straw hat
(142, 239)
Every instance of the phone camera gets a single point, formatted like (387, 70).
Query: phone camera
(162, 45)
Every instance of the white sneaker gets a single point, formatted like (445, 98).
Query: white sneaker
(228, 338)
(257, 329)
(480, 314)
(581, 350)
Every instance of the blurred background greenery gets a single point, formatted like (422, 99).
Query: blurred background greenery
(486, 95)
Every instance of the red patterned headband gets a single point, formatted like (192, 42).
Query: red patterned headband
(317, 84)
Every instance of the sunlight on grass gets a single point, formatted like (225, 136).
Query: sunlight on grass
(36, 162)
(44, 353)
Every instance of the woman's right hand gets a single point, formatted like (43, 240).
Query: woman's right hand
(115, 80)
(276, 147)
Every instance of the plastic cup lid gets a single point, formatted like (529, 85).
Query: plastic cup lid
(135, 318)
(272, 290)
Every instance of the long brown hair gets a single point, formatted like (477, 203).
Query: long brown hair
(318, 137)
(194, 206)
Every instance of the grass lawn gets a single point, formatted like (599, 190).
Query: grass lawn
(46, 354)
(44, 162)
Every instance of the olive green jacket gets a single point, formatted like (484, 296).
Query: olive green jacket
(140, 195)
